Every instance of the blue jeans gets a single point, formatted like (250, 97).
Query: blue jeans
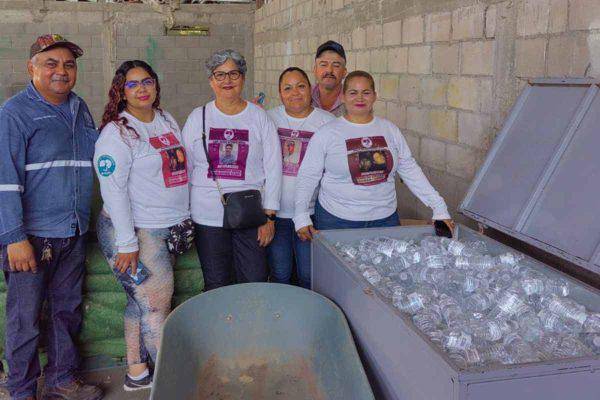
(285, 247)
(60, 282)
(325, 220)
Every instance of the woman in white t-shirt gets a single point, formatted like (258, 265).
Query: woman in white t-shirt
(142, 169)
(244, 158)
(296, 121)
(355, 159)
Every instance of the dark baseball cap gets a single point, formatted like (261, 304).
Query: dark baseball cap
(47, 42)
(330, 45)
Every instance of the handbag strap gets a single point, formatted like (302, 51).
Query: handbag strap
(210, 167)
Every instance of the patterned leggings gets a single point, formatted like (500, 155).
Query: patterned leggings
(149, 303)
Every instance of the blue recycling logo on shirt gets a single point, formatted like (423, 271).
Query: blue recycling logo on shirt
(106, 165)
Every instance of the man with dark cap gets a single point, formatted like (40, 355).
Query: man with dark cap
(329, 70)
(47, 138)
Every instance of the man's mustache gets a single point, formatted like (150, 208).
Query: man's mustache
(60, 79)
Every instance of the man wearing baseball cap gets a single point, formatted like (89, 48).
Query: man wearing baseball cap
(47, 139)
(329, 70)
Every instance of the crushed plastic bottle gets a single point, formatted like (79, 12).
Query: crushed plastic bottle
(509, 303)
(495, 353)
(592, 341)
(427, 321)
(453, 247)
(465, 358)
(415, 301)
(402, 246)
(532, 283)
(479, 302)
(556, 287)
(472, 283)
(386, 246)
(435, 261)
(347, 250)
(592, 323)
(520, 350)
(457, 340)
(530, 327)
(491, 331)
(476, 262)
(566, 308)
(432, 245)
(571, 346)
(554, 323)
(508, 259)
(400, 263)
(413, 254)
(372, 276)
(432, 275)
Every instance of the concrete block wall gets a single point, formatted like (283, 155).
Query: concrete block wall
(447, 72)
(112, 33)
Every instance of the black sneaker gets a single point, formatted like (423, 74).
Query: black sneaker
(131, 385)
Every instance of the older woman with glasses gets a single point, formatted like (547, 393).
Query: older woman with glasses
(235, 161)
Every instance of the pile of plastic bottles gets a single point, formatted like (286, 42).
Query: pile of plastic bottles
(481, 309)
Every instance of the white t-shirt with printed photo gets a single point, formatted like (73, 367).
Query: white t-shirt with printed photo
(143, 181)
(294, 136)
(355, 165)
(245, 155)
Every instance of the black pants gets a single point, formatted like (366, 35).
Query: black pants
(229, 256)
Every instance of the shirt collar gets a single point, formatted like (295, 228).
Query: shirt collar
(316, 99)
(33, 94)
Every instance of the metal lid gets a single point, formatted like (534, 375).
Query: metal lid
(541, 180)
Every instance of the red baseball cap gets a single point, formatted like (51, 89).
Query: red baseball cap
(47, 42)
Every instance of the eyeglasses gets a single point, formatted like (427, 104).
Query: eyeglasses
(148, 82)
(234, 75)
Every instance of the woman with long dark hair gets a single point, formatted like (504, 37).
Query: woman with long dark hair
(143, 176)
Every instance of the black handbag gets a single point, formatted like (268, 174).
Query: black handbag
(242, 210)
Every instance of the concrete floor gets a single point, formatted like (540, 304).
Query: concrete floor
(111, 381)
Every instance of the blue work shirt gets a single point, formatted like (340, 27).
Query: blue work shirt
(46, 175)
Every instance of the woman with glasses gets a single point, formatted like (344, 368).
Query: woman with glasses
(355, 159)
(240, 155)
(296, 121)
(143, 175)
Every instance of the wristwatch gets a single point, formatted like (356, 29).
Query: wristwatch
(270, 217)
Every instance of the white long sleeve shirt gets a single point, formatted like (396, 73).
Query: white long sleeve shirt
(294, 136)
(143, 181)
(355, 165)
(245, 154)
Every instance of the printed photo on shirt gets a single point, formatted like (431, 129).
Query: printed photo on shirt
(291, 151)
(228, 151)
(372, 161)
(176, 159)
(369, 160)
(174, 166)
(293, 148)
